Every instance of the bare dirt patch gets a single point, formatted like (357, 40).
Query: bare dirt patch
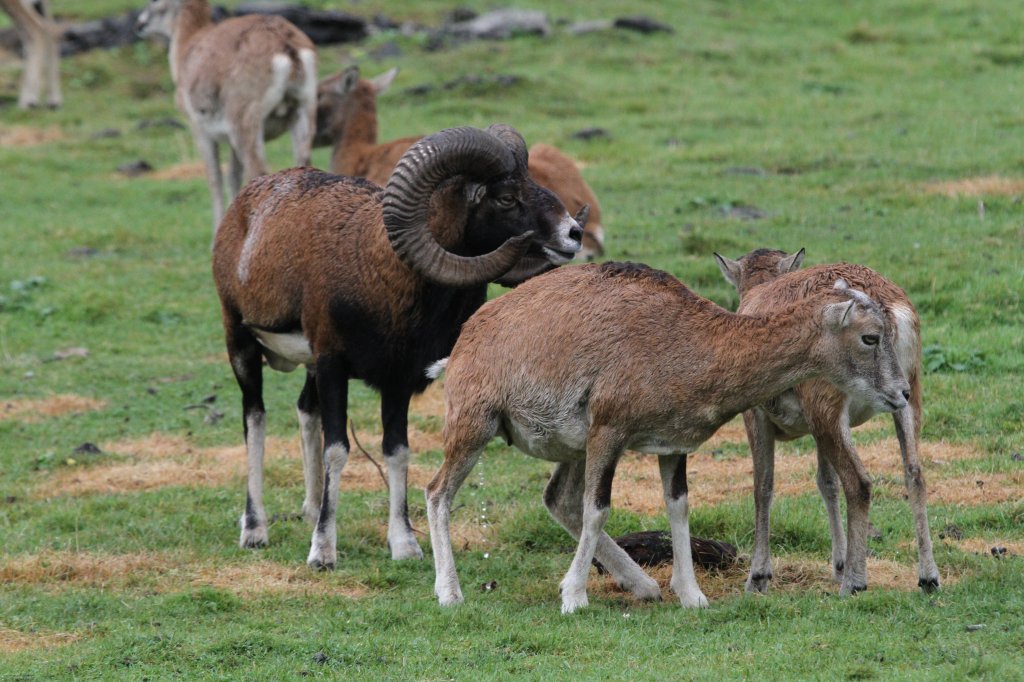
(169, 572)
(791, 574)
(13, 641)
(32, 411)
(988, 185)
(29, 136)
(637, 484)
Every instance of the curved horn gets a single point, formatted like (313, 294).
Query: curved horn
(455, 151)
(514, 141)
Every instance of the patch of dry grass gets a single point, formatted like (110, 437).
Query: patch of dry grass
(188, 170)
(170, 572)
(988, 185)
(14, 641)
(29, 136)
(32, 411)
(162, 460)
(637, 484)
(791, 575)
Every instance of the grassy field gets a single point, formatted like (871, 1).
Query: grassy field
(882, 133)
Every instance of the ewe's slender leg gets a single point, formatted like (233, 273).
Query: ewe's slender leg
(837, 447)
(235, 173)
(465, 438)
(604, 447)
(210, 152)
(332, 389)
(247, 363)
(828, 486)
(302, 136)
(311, 434)
(247, 141)
(673, 482)
(52, 56)
(564, 499)
(760, 436)
(34, 46)
(908, 424)
(394, 411)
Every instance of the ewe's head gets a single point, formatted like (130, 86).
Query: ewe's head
(157, 19)
(507, 228)
(339, 96)
(857, 346)
(757, 267)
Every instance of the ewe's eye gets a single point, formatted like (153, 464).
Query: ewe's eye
(870, 339)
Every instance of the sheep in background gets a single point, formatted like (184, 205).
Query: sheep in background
(40, 40)
(243, 81)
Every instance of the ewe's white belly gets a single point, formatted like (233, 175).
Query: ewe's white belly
(293, 348)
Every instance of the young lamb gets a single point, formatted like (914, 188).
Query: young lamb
(347, 120)
(768, 280)
(650, 367)
(355, 281)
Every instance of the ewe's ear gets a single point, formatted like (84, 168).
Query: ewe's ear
(837, 315)
(582, 216)
(791, 263)
(731, 269)
(383, 81)
(349, 80)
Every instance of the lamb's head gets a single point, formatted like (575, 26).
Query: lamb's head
(460, 209)
(340, 96)
(757, 267)
(857, 345)
(158, 18)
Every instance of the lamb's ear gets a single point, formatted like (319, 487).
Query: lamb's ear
(731, 269)
(383, 81)
(791, 263)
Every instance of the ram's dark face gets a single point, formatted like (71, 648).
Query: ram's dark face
(514, 206)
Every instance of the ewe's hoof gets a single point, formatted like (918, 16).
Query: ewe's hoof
(254, 538)
(647, 590)
(694, 601)
(318, 565)
(407, 548)
(849, 589)
(758, 582)
(928, 585)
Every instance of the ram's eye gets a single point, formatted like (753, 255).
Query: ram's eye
(505, 201)
(870, 339)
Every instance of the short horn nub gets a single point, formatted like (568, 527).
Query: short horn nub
(473, 153)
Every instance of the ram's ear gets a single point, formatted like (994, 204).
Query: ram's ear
(475, 193)
(731, 269)
(383, 81)
(791, 263)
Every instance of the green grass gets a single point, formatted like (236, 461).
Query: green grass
(847, 110)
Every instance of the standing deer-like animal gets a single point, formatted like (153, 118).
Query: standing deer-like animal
(40, 40)
(347, 121)
(646, 365)
(355, 281)
(243, 81)
(768, 280)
